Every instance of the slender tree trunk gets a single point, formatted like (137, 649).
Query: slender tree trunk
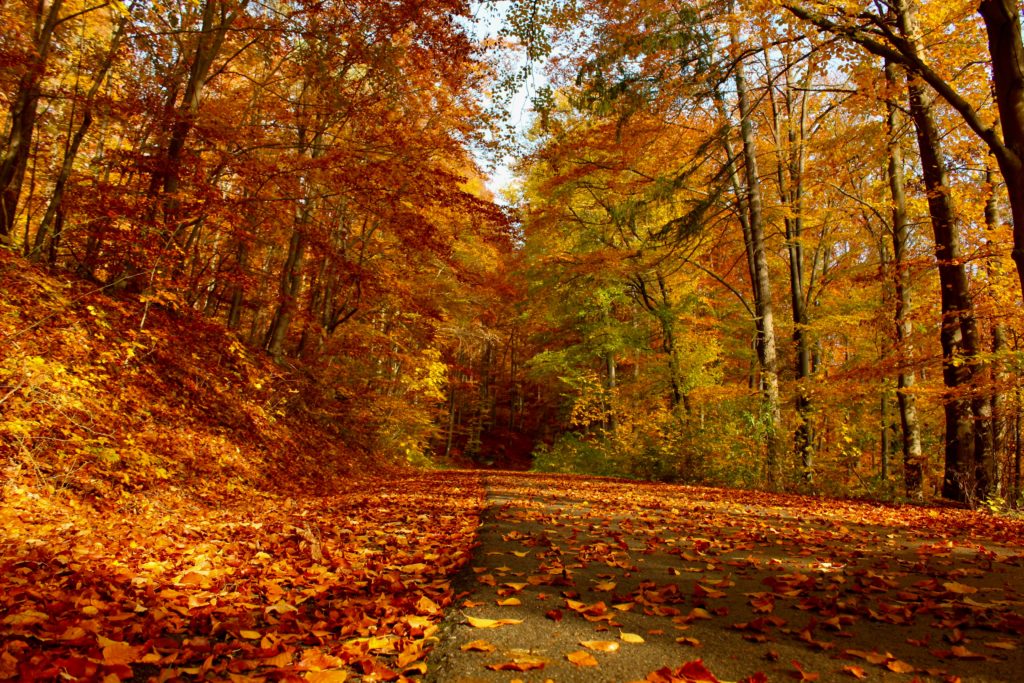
(54, 209)
(761, 283)
(913, 460)
(290, 288)
(999, 376)
(22, 116)
(789, 167)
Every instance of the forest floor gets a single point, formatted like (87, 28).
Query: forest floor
(470, 576)
(174, 506)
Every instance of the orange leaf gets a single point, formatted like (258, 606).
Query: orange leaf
(600, 645)
(581, 658)
(115, 652)
(478, 646)
(855, 671)
(899, 667)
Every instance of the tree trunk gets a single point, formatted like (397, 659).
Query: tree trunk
(913, 461)
(1002, 24)
(789, 176)
(964, 476)
(290, 288)
(761, 283)
(999, 375)
(22, 116)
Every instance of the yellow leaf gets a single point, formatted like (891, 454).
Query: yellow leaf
(959, 588)
(600, 645)
(27, 618)
(333, 676)
(476, 622)
(509, 602)
(631, 638)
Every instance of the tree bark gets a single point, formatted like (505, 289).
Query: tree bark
(964, 475)
(1002, 25)
(913, 460)
(789, 152)
(765, 318)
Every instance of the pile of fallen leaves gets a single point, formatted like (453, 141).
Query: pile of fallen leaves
(315, 588)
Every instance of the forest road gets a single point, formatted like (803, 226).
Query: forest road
(604, 580)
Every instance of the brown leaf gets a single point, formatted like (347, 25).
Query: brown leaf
(521, 664)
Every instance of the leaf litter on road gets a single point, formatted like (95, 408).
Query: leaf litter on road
(757, 585)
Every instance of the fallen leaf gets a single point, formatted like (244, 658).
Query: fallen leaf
(115, 652)
(523, 664)
(600, 645)
(476, 622)
(581, 658)
(855, 671)
(479, 646)
(631, 638)
(899, 666)
(333, 676)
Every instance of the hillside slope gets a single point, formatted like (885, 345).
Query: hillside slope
(104, 396)
(174, 506)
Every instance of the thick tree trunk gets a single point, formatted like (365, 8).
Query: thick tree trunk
(964, 475)
(1002, 24)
